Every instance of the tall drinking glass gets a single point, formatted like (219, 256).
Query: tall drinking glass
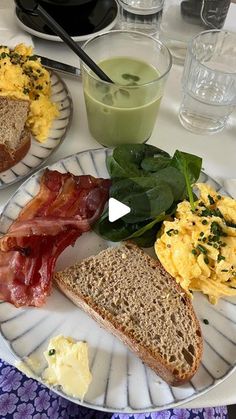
(209, 82)
(124, 111)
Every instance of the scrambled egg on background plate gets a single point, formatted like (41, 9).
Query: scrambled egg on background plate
(198, 248)
(22, 76)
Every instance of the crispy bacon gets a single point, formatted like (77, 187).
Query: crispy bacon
(65, 207)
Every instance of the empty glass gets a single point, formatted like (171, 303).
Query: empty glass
(209, 82)
(140, 15)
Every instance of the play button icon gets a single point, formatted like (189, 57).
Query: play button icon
(116, 210)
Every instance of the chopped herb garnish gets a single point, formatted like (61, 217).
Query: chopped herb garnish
(206, 260)
(128, 76)
(194, 252)
(15, 58)
(26, 91)
(176, 231)
(211, 200)
(170, 231)
(201, 234)
(219, 196)
(33, 58)
(204, 222)
(216, 229)
(205, 321)
(216, 212)
(220, 257)
(229, 224)
(202, 249)
(207, 212)
(224, 270)
(51, 352)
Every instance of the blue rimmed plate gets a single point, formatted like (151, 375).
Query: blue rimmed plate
(121, 382)
(40, 152)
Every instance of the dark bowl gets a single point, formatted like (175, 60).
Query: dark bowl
(87, 17)
(65, 2)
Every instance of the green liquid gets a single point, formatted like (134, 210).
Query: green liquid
(125, 113)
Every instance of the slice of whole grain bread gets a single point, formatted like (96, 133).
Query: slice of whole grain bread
(14, 138)
(132, 296)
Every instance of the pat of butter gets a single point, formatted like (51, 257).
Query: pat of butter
(68, 365)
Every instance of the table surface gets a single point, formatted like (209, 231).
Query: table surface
(218, 152)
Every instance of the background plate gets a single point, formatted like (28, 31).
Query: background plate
(40, 152)
(121, 382)
(81, 22)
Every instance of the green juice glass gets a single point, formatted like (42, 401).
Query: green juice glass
(124, 111)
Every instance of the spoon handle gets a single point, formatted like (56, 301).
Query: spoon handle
(71, 43)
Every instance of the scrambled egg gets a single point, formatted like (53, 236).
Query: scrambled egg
(22, 76)
(198, 248)
(68, 365)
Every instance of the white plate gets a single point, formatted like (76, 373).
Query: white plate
(56, 38)
(121, 382)
(40, 152)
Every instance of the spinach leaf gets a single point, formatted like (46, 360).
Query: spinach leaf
(146, 196)
(190, 165)
(149, 226)
(153, 164)
(147, 239)
(175, 179)
(126, 160)
(151, 183)
(116, 231)
(117, 170)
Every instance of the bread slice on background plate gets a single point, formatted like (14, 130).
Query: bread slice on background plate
(131, 295)
(15, 139)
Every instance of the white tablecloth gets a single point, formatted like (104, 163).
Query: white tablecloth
(218, 151)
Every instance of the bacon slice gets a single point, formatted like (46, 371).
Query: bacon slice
(65, 207)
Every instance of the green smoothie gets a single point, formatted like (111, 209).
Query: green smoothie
(126, 111)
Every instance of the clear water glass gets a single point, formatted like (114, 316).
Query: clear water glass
(209, 82)
(140, 15)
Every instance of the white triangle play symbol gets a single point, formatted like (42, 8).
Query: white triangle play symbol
(116, 210)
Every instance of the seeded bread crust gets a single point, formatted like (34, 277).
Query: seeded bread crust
(131, 295)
